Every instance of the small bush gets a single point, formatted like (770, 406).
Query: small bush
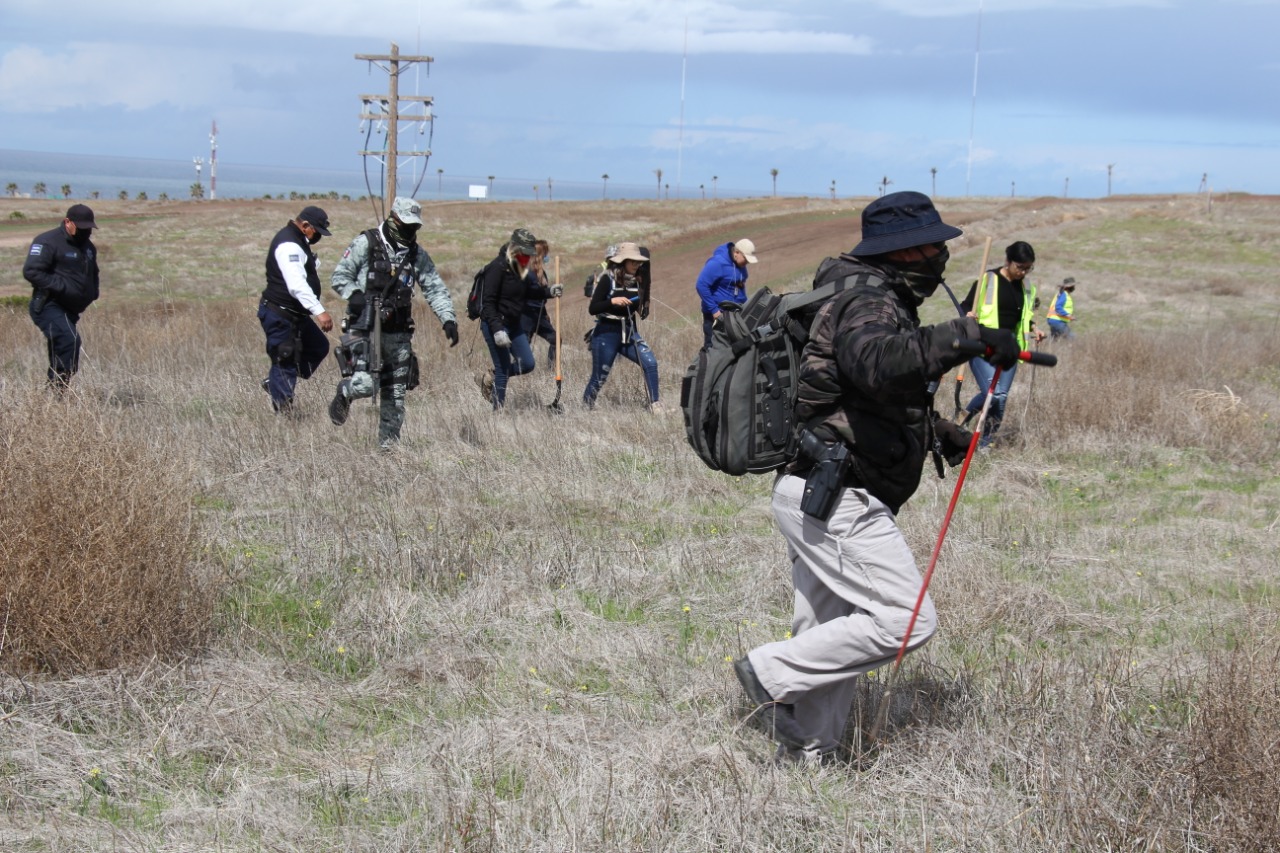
(97, 541)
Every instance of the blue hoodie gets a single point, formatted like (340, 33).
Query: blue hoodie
(721, 280)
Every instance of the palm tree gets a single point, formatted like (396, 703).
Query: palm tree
(197, 190)
(535, 192)
(142, 196)
(549, 198)
(833, 189)
(933, 174)
(658, 172)
(884, 184)
(66, 190)
(703, 189)
(123, 195)
(12, 189)
(39, 188)
(439, 181)
(94, 195)
(774, 174)
(715, 196)
(605, 192)
(491, 186)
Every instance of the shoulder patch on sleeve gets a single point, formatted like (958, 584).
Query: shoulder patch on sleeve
(37, 248)
(347, 253)
(295, 258)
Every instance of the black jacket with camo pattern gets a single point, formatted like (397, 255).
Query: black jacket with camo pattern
(864, 378)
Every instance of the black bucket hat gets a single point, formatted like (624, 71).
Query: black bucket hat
(900, 221)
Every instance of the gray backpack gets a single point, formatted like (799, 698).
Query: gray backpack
(738, 397)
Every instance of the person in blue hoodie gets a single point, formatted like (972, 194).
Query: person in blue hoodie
(723, 279)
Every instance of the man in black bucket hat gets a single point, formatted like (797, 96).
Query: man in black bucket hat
(865, 402)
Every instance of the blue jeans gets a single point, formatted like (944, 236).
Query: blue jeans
(1060, 329)
(606, 346)
(302, 355)
(535, 321)
(515, 360)
(982, 371)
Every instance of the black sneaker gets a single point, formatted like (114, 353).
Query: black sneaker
(776, 719)
(340, 405)
(266, 385)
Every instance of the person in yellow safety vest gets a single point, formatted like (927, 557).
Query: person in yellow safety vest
(1002, 299)
(1063, 310)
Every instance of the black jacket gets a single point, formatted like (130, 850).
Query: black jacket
(505, 292)
(865, 374)
(67, 271)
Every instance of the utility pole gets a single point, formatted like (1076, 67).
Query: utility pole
(387, 108)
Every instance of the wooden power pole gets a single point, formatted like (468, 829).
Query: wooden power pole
(387, 108)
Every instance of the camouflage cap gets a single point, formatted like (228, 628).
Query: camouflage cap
(523, 241)
(407, 210)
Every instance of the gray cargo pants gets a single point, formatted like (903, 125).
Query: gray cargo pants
(856, 584)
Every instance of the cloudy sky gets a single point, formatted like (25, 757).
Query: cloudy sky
(850, 91)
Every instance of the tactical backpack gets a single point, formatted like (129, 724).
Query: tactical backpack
(738, 397)
(476, 296)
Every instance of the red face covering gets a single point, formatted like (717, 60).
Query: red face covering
(522, 260)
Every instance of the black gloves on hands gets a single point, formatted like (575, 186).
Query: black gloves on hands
(953, 441)
(451, 332)
(1004, 346)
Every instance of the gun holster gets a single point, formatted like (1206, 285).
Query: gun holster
(39, 299)
(827, 476)
(352, 355)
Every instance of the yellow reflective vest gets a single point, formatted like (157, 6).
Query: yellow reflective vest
(989, 311)
(1068, 309)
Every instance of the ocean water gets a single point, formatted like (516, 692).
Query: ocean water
(109, 176)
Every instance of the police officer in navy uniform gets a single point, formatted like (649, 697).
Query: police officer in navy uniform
(291, 313)
(62, 266)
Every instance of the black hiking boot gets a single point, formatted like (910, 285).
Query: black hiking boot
(340, 405)
(776, 719)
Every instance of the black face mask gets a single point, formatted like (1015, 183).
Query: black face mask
(314, 238)
(924, 276)
(81, 236)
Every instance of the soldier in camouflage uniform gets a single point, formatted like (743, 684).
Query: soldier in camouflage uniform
(383, 264)
(864, 387)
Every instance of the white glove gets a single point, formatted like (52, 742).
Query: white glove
(557, 290)
(501, 339)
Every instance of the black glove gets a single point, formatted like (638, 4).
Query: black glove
(451, 332)
(1003, 344)
(953, 441)
(355, 305)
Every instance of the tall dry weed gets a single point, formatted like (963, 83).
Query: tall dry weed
(98, 543)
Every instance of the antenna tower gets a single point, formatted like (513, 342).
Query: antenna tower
(386, 109)
(213, 161)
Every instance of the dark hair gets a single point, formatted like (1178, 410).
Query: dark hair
(1020, 253)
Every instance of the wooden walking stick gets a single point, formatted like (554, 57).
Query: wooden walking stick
(555, 404)
(980, 294)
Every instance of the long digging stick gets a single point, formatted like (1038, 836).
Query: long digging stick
(555, 404)
(976, 347)
(979, 294)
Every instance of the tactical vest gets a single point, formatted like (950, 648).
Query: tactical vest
(395, 283)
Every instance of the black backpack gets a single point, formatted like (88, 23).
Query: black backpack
(738, 397)
(476, 296)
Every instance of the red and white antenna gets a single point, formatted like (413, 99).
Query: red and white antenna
(213, 161)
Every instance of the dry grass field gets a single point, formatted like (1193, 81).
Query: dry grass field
(225, 630)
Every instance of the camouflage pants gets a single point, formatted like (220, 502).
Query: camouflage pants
(397, 358)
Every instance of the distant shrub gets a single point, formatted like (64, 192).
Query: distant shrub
(16, 302)
(17, 214)
(98, 544)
